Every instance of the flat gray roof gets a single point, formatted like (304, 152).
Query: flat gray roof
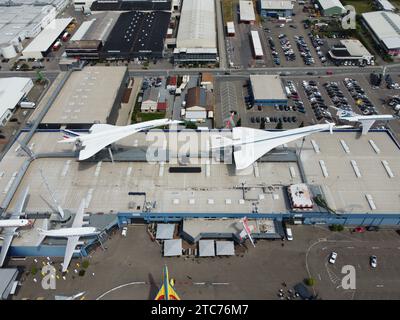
(173, 248)
(7, 276)
(206, 248)
(216, 188)
(225, 248)
(87, 97)
(165, 231)
(267, 87)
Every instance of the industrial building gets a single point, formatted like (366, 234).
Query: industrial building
(197, 38)
(199, 106)
(267, 90)
(128, 5)
(384, 28)
(331, 8)
(18, 23)
(276, 8)
(8, 282)
(384, 5)
(41, 45)
(12, 91)
(351, 49)
(137, 34)
(256, 44)
(84, 49)
(230, 28)
(92, 95)
(246, 10)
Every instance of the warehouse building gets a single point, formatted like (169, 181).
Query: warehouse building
(137, 35)
(247, 13)
(84, 49)
(276, 8)
(197, 39)
(8, 282)
(257, 47)
(150, 100)
(92, 95)
(199, 105)
(18, 23)
(331, 8)
(384, 28)
(267, 90)
(351, 49)
(12, 91)
(127, 5)
(41, 45)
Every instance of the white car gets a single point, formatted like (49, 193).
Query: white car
(124, 231)
(332, 257)
(373, 261)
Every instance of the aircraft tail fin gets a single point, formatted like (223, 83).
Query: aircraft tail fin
(69, 136)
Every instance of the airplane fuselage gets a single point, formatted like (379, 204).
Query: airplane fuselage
(71, 232)
(14, 223)
(379, 117)
(281, 134)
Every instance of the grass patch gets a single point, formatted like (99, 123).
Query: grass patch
(361, 6)
(147, 116)
(229, 9)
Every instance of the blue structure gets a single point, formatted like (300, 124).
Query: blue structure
(275, 8)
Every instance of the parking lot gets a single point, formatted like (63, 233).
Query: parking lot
(131, 268)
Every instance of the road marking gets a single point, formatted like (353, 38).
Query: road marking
(324, 248)
(375, 247)
(220, 283)
(350, 247)
(379, 285)
(199, 283)
(319, 277)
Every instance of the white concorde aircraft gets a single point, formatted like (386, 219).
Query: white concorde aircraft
(251, 144)
(72, 234)
(366, 121)
(11, 225)
(102, 135)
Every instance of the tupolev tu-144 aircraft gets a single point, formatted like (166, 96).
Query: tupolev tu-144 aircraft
(251, 144)
(366, 121)
(73, 234)
(102, 135)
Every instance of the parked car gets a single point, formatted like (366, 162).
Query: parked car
(372, 228)
(359, 230)
(124, 231)
(373, 261)
(332, 257)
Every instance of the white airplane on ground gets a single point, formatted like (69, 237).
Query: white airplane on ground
(251, 144)
(11, 225)
(102, 135)
(366, 121)
(72, 234)
(246, 232)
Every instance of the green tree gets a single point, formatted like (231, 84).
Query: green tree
(85, 264)
(301, 124)
(239, 123)
(279, 126)
(191, 125)
(310, 282)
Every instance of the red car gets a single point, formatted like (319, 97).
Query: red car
(359, 229)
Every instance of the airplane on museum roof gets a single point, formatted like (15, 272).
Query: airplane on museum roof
(11, 225)
(102, 135)
(167, 291)
(251, 144)
(366, 121)
(73, 234)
